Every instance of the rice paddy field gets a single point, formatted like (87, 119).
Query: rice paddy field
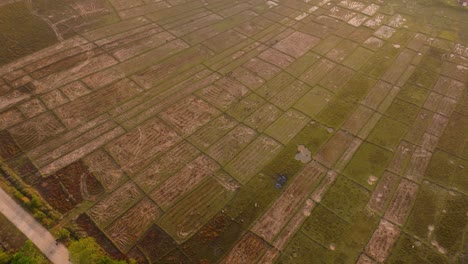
(242, 131)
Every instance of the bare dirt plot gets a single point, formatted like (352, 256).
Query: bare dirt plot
(418, 164)
(113, 205)
(231, 144)
(14, 97)
(189, 215)
(364, 259)
(438, 124)
(277, 216)
(449, 87)
(334, 148)
(212, 132)
(166, 166)
(189, 114)
(134, 149)
(231, 85)
(402, 201)
(276, 58)
(127, 229)
(247, 77)
(248, 250)
(262, 68)
(382, 241)
(253, 158)
(109, 174)
(187, 179)
(383, 192)
(218, 97)
(402, 157)
(297, 44)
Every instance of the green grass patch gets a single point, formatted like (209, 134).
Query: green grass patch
(460, 176)
(356, 88)
(410, 250)
(381, 61)
(301, 250)
(336, 113)
(22, 32)
(314, 101)
(368, 160)
(346, 198)
(387, 133)
(441, 167)
(451, 229)
(413, 93)
(423, 77)
(427, 207)
(403, 111)
(324, 226)
(299, 66)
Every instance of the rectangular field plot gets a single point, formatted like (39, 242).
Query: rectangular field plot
(189, 114)
(189, 215)
(111, 207)
(126, 230)
(279, 214)
(287, 126)
(184, 181)
(290, 94)
(212, 132)
(134, 149)
(263, 117)
(227, 147)
(253, 158)
(382, 241)
(167, 165)
(248, 250)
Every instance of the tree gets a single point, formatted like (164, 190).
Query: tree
(87, 251)
(5, 257)
(63, 234)
(28, 254)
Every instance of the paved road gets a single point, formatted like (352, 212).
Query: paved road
(32, 229)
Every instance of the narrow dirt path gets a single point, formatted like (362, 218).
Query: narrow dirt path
(57, 253)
